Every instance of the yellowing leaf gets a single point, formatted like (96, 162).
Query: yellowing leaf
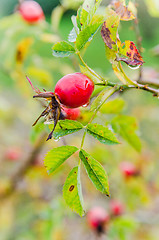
(123, 11)
(109, 31)
(22, 49)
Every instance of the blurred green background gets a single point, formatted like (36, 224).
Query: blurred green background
(36, 209)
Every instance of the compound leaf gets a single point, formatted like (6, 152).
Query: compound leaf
(103, 134)
(63, 49)
(72, 192)
(57, 156)
(95, 172)
(65, 127)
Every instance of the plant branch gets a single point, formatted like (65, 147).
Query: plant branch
(23, 168)
(113, 90)
(89, 69)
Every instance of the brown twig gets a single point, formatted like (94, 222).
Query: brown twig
(23, 168)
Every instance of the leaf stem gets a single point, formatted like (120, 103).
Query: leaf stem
(89, 69)
(112, 91)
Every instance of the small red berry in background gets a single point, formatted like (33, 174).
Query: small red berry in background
(13, 154)
(128, 169)
(116, 208)
(74, 90)
(31, 11)
(71, 113)
(97, 219)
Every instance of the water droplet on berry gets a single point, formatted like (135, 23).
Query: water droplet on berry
(85, 105)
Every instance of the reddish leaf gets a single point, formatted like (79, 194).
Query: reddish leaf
(129, 54)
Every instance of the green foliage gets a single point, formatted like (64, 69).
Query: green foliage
(95, 172)
(65, 127)
(113, 106)
(57, 156)
(72, 191)
(101, 98)
(127, 126)
(63, 49)
(86, 35)
(103, 134)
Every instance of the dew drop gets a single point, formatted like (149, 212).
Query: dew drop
(134, 67)
(85, 105)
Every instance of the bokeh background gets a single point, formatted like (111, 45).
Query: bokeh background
(31, 203)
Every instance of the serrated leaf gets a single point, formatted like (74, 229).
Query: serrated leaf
(88, 10)
(72, 192)
(86, 35)
(101, 98)
(63, 49)
(65, 127)
(95, 172)
(57, 156)
(113, 106)
(103, 134)
(127, 126)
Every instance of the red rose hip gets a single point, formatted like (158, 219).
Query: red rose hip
(128, 169)
(31, 11)
(116, 207)
(74, 90)
(97, 219)
(71, 113)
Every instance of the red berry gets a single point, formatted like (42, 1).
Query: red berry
(31, 11)
(116, 208)
(13, 154)
(74, 90)
(128, 169)
(71, 113)
(97, 219)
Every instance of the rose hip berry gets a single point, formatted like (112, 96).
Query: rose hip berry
(74, 90)
(70, 113)
(116, 208)
(13, 154)
(97, 219)
(31, 11)
(129, 169)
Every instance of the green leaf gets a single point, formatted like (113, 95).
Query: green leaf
(127, 126)
(102, 97)
(57, 156)
(63, 49)
(65, 127)
(113, 106)
(86, 35)
(88, 10)
(103, 134)
(72, 192)
(95, 172)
